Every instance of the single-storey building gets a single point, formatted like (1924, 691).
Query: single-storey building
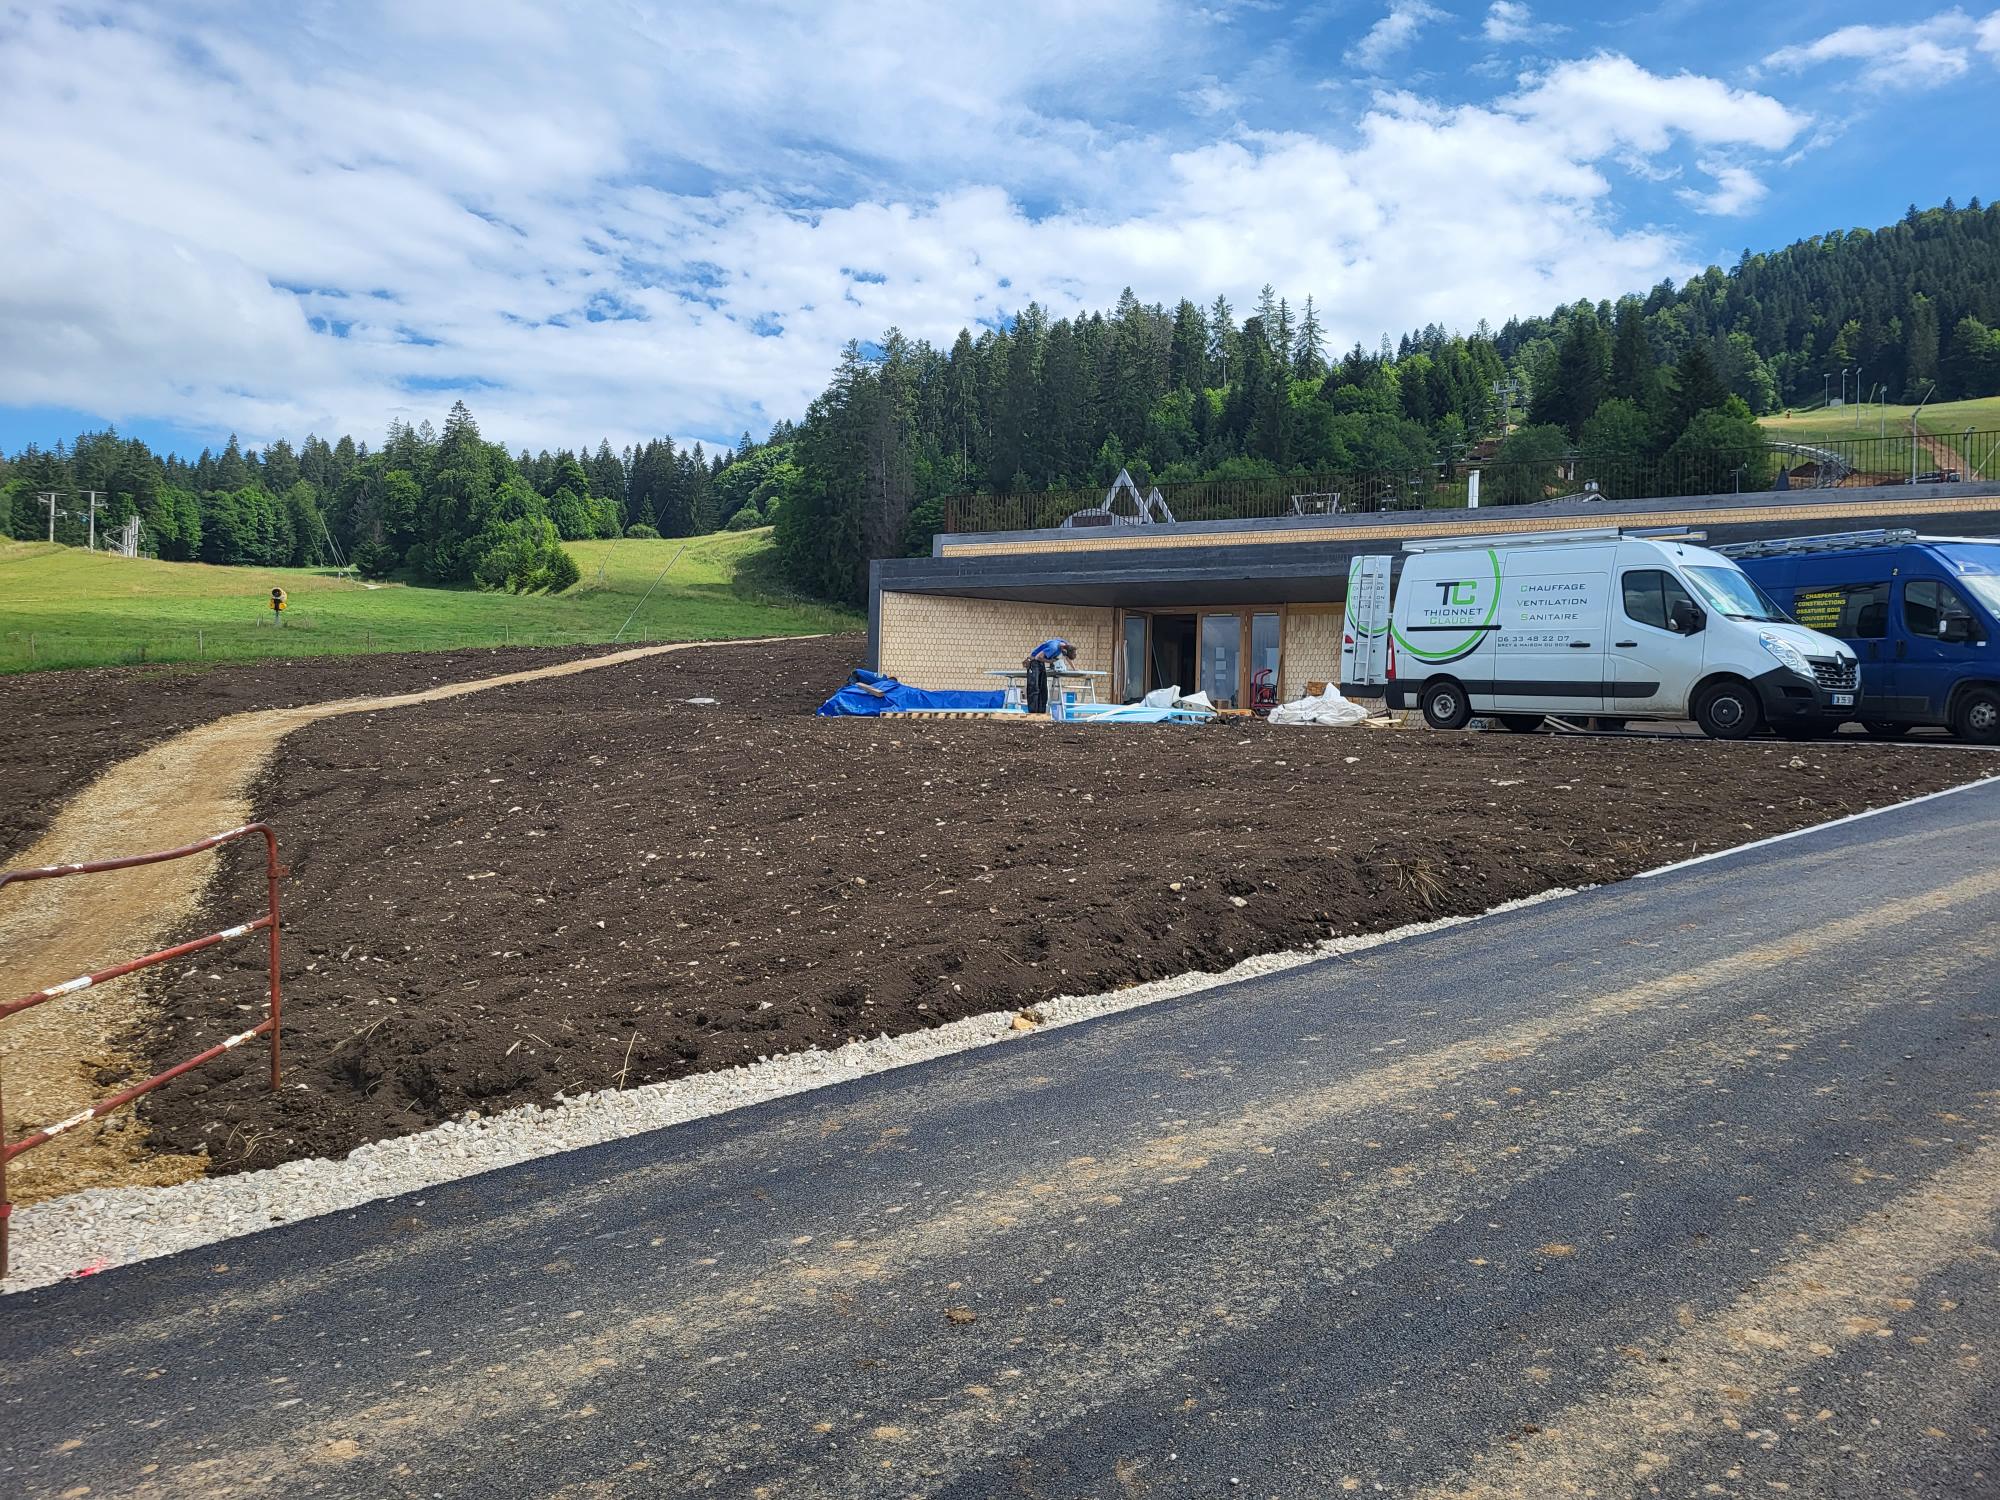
(1250, 610)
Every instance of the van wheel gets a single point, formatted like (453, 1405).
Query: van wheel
(1729, 711)
(1978, 717)
(1522, 723)
(1882, 729)
(1446, 706)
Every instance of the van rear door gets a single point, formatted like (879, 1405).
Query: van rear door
(1549, 653)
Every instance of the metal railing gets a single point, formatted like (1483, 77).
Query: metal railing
(1791, 463)
(269, 1026)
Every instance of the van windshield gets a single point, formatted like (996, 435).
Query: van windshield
(1729, 591)
(1985, 587)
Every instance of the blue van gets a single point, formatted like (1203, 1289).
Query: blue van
(1922, 613)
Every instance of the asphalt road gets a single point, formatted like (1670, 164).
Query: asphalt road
(1686, 1186)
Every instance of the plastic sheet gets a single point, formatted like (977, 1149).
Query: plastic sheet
(868, 693)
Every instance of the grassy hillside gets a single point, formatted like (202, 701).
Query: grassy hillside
(1946, 421)
(60, 606)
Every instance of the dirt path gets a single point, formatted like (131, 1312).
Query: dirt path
(67, 728)
(59, 1057)
(1945, 456)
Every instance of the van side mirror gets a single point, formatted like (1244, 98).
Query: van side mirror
(1687, 618)
(1955, 630)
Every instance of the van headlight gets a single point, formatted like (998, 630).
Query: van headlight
(1786, 653)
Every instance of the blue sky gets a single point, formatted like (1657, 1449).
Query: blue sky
(624, 219)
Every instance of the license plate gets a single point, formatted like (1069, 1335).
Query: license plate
(1843, 700)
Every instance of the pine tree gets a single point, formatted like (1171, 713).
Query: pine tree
(1920, 357)
(1635, 375)
(232, 472)
(1698, 387)
(1266, 313)
(1309, 352)
(1187, 363)
(1221, 340)
(607, 479)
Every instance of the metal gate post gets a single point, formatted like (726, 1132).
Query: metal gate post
(273, 873)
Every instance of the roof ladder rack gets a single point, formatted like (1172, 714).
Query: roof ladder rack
(1832, 541)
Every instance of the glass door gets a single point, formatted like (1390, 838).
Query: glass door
(1132, 660)
(1265, 633)
(1222, 659)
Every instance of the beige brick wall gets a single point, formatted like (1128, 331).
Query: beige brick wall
(1312, 647)
(936, 641)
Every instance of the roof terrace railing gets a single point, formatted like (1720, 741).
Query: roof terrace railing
(1792, 464)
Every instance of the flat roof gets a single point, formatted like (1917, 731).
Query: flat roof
(1306, 559)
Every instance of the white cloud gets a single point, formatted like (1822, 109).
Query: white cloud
(240, 219)
(1915, 54)
(1508, 22)
(1211, 97)
(1609, 100)
(1737, 190)
(1392, 34)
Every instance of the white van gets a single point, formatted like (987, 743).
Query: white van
(1593, 623)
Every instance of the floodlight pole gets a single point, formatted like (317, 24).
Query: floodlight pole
(48, 498)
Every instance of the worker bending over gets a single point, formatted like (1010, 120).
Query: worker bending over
(1038, 662)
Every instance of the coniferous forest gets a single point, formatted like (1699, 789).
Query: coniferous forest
(1196, 391)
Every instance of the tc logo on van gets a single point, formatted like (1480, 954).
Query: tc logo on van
(1458, 591)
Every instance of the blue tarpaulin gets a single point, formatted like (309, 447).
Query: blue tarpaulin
(872, 693)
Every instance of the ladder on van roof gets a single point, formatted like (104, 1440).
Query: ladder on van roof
(1831, 541)
(1556, 538)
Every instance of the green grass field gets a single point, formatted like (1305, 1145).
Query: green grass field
(1946, 421)
(63, 607)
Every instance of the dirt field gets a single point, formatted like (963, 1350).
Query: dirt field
(590, 883)
(65, 728)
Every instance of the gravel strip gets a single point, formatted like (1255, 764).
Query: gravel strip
(99, 1228)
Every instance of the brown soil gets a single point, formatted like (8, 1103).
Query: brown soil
(63, 729)
(586, 883)
(64, 1054)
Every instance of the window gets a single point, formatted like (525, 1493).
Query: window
(1929, 607)
(1857, 611)
(1221, 657)
(1650, 597)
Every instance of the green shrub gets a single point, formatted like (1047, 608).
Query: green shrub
(561, 572)
(524, 557)
(374, 558)
(639, 531)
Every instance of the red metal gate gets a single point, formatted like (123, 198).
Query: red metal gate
(269, 1026)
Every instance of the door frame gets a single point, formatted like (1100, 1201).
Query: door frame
(1243, 612)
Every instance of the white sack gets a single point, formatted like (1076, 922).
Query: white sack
(1329, 708)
